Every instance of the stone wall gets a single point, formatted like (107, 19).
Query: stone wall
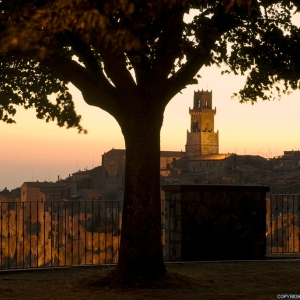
(209, 142)
(211, 222)
(193, 147)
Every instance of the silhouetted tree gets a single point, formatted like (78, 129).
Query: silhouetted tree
(130, 58)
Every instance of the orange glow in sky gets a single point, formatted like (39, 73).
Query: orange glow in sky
(35, 150)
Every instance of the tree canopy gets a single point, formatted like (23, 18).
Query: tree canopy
(130, 58)
(250, 37)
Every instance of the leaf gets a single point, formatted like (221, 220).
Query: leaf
(131, 8)
(14, 41)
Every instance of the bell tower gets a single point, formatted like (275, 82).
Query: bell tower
(201, 139)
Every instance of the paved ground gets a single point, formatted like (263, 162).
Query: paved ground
(268, 279)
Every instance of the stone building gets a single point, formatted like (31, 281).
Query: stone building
(202, 139)
(113, 163)
(43, 191)
(284, 173)
(200, 164)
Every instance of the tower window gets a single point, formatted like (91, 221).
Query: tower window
(195, 126)
(205, 103)
(199, 104)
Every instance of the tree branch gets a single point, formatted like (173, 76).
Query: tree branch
(115, 68)
(186, 73)
(154, 62)
(87, 56)
(210, 33)
(167, 51)
(95, 94)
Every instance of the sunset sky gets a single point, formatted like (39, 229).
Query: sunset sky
(35, 150)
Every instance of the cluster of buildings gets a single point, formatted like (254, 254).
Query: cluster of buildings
(201, 163)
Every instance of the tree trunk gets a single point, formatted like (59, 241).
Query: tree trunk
(141, 252)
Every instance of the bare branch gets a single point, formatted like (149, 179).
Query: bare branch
(198, 56)
(102, 96)
(116, 70)
(168, 50)
(87, 56)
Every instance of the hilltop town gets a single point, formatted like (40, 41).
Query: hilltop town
(61, 223)
(201, 163)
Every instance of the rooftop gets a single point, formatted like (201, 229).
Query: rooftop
(44, 184)
(162, 153)
(213, 156)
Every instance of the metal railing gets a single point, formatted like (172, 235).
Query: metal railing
(65, 233)
(59, 233)
(283, 223)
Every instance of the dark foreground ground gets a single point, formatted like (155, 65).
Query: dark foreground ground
(202, 280)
